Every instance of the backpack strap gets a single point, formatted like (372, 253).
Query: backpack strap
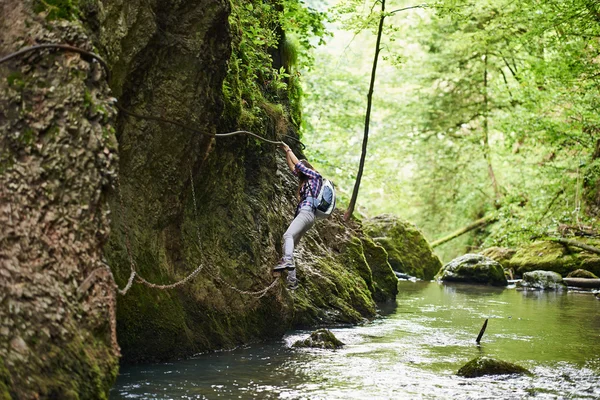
(313, 198)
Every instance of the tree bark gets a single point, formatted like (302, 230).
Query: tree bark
(363, 155)
(480, 222)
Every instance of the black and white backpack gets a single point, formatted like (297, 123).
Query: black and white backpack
(324, 202)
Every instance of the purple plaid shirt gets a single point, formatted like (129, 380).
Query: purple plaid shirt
(310, 188)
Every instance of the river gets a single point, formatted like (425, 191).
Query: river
(412, 351)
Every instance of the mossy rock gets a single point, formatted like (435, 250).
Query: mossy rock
(320, 339)
(5, 382)
(501, 255)
(581, 273)
(408, 250)
(544, 280)
(385, 282)
(473, 268)
(552, 256)
(482, 366)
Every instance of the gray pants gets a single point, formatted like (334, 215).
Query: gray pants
(302, 223)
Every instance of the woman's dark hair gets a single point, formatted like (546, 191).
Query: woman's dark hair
(303, 178)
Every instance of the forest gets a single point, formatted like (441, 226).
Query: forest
(487, 108)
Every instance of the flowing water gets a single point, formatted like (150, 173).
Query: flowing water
(412, 351)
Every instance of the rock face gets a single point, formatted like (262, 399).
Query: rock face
(385, 283)
(57, 162)
(551, 256)
(482, 366)
(473, 268)
(407, 248)
(222, 203)
(545, 280)
(321, 339)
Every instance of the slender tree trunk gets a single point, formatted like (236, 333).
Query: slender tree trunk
(486, 131)
(363, 155)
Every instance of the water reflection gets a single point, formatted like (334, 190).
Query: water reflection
(413, 351)
(452, 288)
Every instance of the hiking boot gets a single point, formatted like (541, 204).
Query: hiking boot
(283, 265)
(292, 285)
(279, 267)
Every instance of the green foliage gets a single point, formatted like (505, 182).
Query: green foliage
(479, 107)
(261, 30)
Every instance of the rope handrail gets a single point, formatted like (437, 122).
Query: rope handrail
(59, 46)
(66, 47)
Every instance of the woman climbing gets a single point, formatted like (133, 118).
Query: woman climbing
(309, 185)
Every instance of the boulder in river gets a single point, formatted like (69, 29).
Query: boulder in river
(582, 273)
(582, 278)
(481, 366)
(320, 339)
(545, 280)
(408, 250)
(473, 268)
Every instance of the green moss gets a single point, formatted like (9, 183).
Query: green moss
(87, 97)
(289, 52)
(407, 249)
(582, 273)
(482, 366)
(295, 95)
(336, 295)
(58, 9)
(385, 282)
(71, 370)
(15, 79)
(354, 257)
(322, 339)
(5, 382)
(552, 256)
(501, 255)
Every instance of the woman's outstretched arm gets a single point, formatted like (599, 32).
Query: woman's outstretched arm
(290, 157)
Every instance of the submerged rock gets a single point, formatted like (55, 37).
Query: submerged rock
(481, 366)
(582, 273)
(473, 268)
(407, 248)
(545, 280)
(321, 339)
